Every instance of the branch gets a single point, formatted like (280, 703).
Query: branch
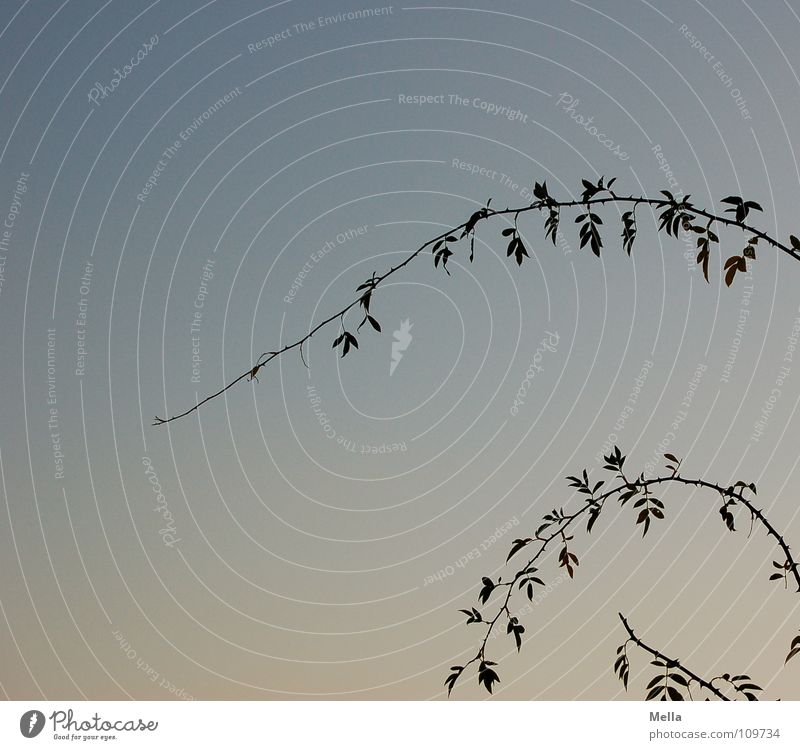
(675, 214)
(557, 523)
(671, 663)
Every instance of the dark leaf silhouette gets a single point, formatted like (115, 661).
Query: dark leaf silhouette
(453, 678)
(486, 591)
(487, 676)
(517, 546)
(628, 231)
(794, 649)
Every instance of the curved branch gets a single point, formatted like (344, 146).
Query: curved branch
(595, 504)
(468, 228)
(757, 512)
(672, 663)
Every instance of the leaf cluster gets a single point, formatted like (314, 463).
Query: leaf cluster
(743, 685)
(622, 666)
(442, 253)
(516, 246)
(527, 579)
(666, 685)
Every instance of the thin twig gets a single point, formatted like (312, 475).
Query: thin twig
(593, 502)
(480, 216)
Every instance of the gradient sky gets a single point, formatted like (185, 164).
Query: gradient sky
(302, 518)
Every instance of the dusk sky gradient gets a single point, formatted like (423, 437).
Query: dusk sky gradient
(231, 191)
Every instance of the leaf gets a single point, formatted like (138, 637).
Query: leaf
(517, 546)
(451, 679)
(679, 678)
(517, 248)
(674, 693)
(594, 514)
(486, 591)
(654, 692)
(374, 323)
(486, 676)
(473, 615)
(551, 224)
(702, 257)
(795, 242)
(671, 457)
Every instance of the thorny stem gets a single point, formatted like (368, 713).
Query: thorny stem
(671, 663)
(484, 214)
(593, 502)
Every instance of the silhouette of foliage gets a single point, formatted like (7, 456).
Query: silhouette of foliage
(794, 649)
(676, 679)
(675, 215)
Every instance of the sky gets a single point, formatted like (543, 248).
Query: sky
(186, 185)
